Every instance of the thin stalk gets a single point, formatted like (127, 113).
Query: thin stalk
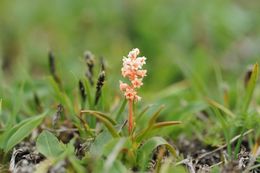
(239, 142)
(130, 116)
(229, 149)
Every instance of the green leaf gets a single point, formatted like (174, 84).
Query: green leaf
(17, 102)
(0, 111)
(155, 116)
(151, 123)
(145, 151)
(103, 115)
(165, 124)
(61, 96)
(107, 121)
(49, 145)
(89, 93)
(75, 162)
(118, 167)
(171, 90)
(121, 109)
(109, 146)
(140, 115)
(21, 131)
(112, 150)
(4, 137)
(99, 143)
(0, 106)
(250, 89)
(221, 107)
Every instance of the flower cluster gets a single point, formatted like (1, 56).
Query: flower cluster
(132, 69)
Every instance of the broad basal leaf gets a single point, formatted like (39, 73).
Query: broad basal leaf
(49, 145)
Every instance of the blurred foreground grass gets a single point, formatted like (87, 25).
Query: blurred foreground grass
(194, 49)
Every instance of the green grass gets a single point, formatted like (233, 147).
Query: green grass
(199, 55)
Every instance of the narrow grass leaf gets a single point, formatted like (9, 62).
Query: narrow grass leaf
(89, 94)
(105, 121)
(113, 153)
(143, 133)
(118, 167)
(165, 124)
(171, 90)
(61, 96)
(250, 89)
(75, 162)
(18, 133)
(224, 125)
(0, 106)
(221, 107)
(155, 116)
(100, 114)
(17, 100)
(4, 137)
(121, 109)
(139, 116)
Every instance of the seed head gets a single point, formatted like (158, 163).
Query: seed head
(82, 91)
(89, 58)
(52, 63)
(103, 64)
(100, 83)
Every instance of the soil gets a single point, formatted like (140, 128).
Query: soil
(197, 157)
(201, 158)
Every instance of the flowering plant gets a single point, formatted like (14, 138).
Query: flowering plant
(132, 69)
(140, 141)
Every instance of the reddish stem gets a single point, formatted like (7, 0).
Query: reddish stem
(130, 116)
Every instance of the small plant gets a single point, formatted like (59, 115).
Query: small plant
(132, 69)
(137, 148)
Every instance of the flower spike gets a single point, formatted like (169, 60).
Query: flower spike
(132, 69)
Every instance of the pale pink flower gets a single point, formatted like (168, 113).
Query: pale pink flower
(137, 98)
(137, 83)
(141, 73)
(132, 69)
(133, 53)
(125, 72)
(141, 61)
(130, 94)
(123, 86)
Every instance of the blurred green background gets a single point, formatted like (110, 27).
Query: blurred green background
(194, 49)
(174, 35)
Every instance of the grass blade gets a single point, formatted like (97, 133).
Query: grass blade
(155, 116)
(142, 112)
(250, 89)
(165, 124)
(61, 96)
(22, 131)
(151, 123)
(121, 109)
(0, 106)
(101, 114)
(105, 120)
(113, 153)
(221, 107)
